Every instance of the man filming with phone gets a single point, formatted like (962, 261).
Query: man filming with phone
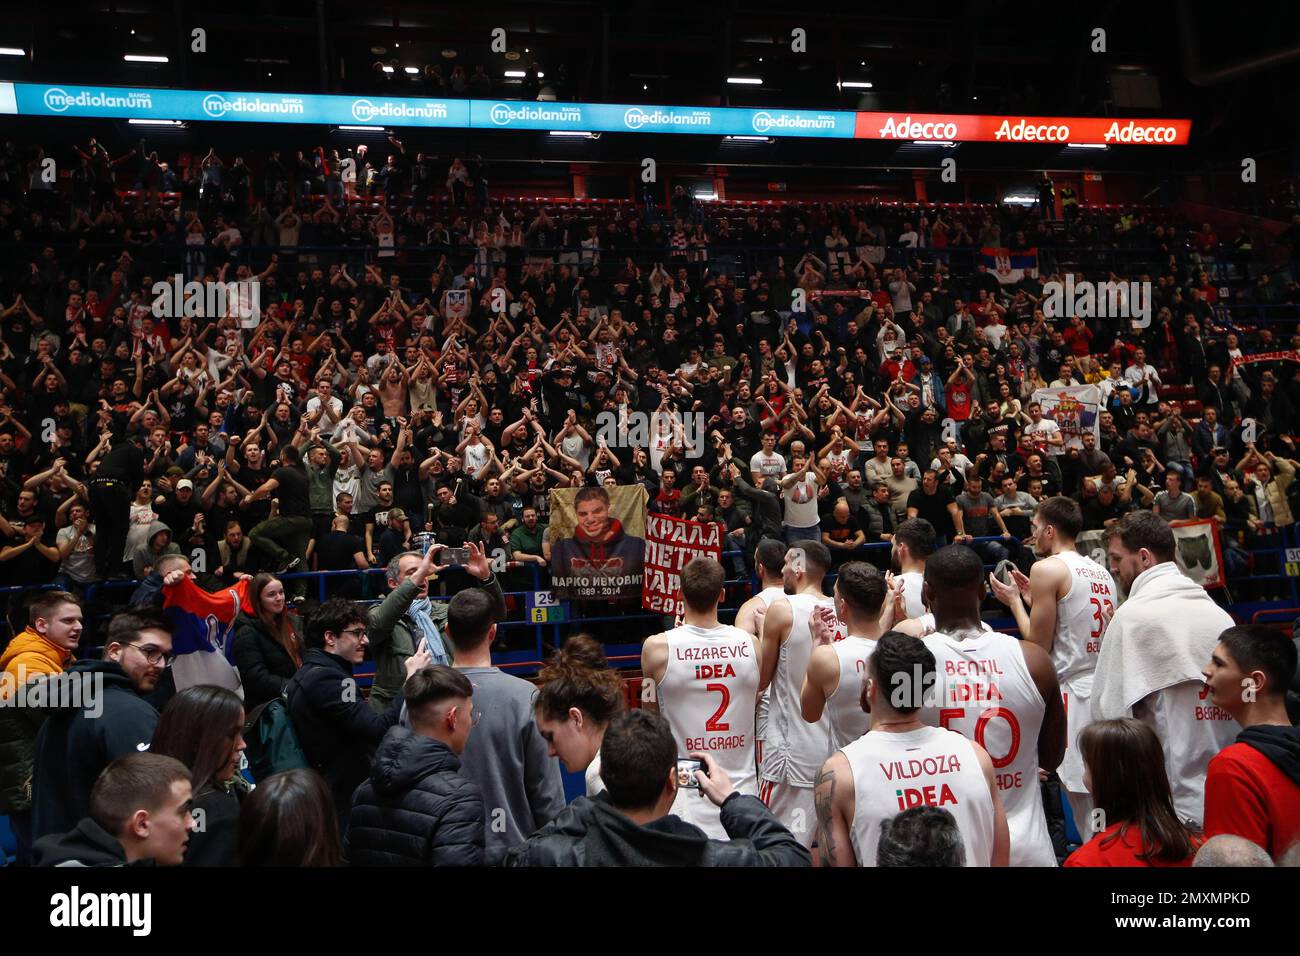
(629, 823)
(407, 617)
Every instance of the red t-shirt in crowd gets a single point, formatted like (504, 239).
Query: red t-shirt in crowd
(1124, 851)
(958, 397)
(1248, 796)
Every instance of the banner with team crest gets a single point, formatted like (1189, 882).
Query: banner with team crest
(1075, 409)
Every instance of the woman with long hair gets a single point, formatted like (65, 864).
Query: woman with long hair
(289, 820)
(202, 727)
(1124, 770)
(579, 695)
(268, 646)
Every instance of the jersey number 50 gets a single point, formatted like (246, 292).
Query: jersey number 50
(948, 714)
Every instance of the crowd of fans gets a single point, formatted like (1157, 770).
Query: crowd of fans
(425, 359)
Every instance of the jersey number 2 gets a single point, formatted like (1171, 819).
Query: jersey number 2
(715, 724)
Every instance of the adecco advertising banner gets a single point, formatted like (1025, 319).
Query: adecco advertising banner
(1024, 129)
(32, 99)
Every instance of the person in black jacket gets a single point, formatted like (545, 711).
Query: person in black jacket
(417, 809)
(338, 732)
(202, 727)
(629, 824)
(119, 473)
(139, 816)
(267, 648)
(108, 716)
(766, 503)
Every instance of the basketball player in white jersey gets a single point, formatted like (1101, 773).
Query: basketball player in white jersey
(833, 684)
(794, 749)
(769, 557)
(706, 678)
(914, 541)
(1145, 667)
(1063, 606)
(904, 763)
(997, 691)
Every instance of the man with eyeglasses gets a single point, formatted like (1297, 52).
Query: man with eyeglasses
(100, 711)
(338, 732)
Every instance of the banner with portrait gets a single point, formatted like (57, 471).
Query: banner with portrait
(1199, 551)
(597, 542)
(1076, 409)
(671, 543)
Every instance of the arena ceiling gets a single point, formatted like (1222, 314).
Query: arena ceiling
(1231, 74)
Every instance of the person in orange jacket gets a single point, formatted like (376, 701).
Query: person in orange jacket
(44, 648)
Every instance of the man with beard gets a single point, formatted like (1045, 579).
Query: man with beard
(1149, 666)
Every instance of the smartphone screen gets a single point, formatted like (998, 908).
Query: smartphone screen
(686, 767)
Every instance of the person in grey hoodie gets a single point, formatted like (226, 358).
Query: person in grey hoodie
(157, 543)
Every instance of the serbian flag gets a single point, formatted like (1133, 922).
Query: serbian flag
(1010, 266)
(203, 630)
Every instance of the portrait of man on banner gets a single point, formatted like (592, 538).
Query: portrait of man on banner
(597, 542)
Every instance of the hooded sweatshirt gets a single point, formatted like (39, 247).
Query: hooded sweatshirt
(80, 738)
(417, 809)
(88, 844)
(1252, 788)
(148, 553)
(28, 656)
(591, 832)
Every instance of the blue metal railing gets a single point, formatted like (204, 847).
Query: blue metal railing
(1268, 551)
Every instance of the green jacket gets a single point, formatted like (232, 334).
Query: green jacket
(320, 481)
(391, 641)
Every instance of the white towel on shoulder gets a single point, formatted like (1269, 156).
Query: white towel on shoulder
(1161, 636)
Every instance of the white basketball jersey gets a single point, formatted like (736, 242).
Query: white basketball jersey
(794, 749)
(767, 596)
(912, 581)
(707, 696)
(1192, 729)
(924, 767)
(845, 717)
(1079, 616)
(987, 695)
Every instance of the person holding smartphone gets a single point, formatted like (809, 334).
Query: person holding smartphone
(630, 824)
(407, 618)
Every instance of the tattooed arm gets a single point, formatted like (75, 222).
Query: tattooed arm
(834, 801)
